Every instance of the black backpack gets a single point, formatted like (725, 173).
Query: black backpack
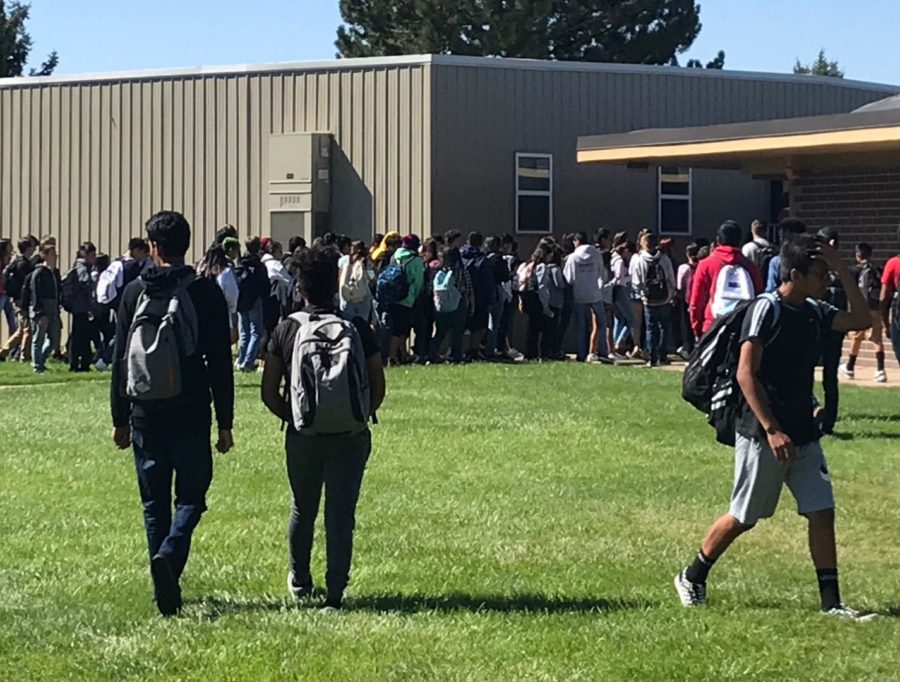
(870, 284)
(766, 254)
(657, 286)
(14, 277)
(710, 379)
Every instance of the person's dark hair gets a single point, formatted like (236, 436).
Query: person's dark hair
(729, 234)
(253, 245)
(171, 233)
(555, 255)
(703, 252)
(797, 254)
(315, 271)
(475, 239)
(547, 241)
(439, 238)
(343, 241)
(451, 236)
(492, 244)
(85, 249)
(102, 262)
(567, 243)
(24, 245)
(539, 255)
(224, 232)
(450, 258)
(138, 244)
(34, 240)
(864, 249)
(829, 234)
(691, 251)
(214, 262)
(701, 242)
(507, 238)
(580, 237)
(430, 250)
(650, 237)
(295, 243)
(328, 239)
(46, 251)
(618, 239)
(602, 234)
(394, 242)
(358, 251)
(790, 227)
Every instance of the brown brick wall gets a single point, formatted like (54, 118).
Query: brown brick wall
(861, 205)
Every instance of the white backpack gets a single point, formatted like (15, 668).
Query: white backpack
(163, 335)
(447, 296)
(733, 285)
(329, 391)
(355, 282)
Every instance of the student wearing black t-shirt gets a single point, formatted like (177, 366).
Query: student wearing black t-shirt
(337, 461)
(777, 441)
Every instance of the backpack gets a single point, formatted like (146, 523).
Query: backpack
(869, 282)
(393, 284)
(657, 286)
(69, 291)
(446, 294)
(764, 257)
(733, 285)
(482, 279)
(710, 379)
(163, 334)
(355, 286)
(14, 277)
(329, 389)
(527, 281)
(253, 283)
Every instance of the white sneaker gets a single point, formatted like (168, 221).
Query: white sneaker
(101, 366)
(845, 612)
(849, 373)
(691, 594)
(880, 376)
(593, 357)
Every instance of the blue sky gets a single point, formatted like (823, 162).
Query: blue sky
(118, 35)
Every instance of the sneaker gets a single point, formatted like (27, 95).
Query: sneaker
(299, 590)
(101, 365)
(845, 612)
(691, 594)
(616, 357)
(593, 357)
(881, 376)
(165, 584)
(849, 373)
(333, 604)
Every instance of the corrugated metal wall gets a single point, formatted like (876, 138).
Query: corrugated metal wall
(94, 160)
(500, 110)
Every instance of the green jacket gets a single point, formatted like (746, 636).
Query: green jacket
(415, 273)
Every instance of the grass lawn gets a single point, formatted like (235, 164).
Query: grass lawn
(516, 523)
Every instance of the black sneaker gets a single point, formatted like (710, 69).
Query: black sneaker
(165, 584)
(299, 590)
(333, 603)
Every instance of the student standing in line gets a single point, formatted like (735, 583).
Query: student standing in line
(253, 289)
(165, 370)
(777, 441)
(585, 271)
(653, 279)
(42, 297)
(78, 290)
(684, 282)
(328, 441)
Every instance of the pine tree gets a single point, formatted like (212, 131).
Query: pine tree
(820, 67)
(15, 43)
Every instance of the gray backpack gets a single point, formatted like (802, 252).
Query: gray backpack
(163, 335)
(329, 388)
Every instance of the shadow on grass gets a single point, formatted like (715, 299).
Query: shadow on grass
(214, 608)
(866, 435)
(894, 417)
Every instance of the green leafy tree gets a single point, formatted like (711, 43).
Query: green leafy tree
(820, 67)
(15, 43)
(635, 31)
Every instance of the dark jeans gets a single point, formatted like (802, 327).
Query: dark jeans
(83, 332)
(832, 345)
(895, 340)
(506, 320)
(454, 324)
(658, 322)
(159, 455)
(338, 462)
(423, 325)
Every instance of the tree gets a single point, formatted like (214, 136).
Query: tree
(644, 32)
(820, 67)
(15, 43)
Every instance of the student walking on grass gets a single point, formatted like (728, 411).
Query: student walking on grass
(777, 441)
(333, 378)
(868, 277)
(172, 352)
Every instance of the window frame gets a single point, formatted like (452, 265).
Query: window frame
(688, 198)
(534, 193)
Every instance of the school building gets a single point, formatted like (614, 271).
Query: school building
(417, 144)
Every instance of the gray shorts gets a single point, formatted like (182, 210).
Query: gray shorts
(759, 476)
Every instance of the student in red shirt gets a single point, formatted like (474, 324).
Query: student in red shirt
(890, 300)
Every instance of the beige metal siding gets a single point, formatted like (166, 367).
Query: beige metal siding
(483, 116)
(95, 160)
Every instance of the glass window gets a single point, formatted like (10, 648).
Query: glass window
(675, 201)
(534, 193)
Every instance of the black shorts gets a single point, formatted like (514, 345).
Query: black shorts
(478, 322)
(398, 320)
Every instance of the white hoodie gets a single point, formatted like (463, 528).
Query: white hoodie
(585, 271)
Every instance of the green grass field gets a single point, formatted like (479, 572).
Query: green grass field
(516, 523)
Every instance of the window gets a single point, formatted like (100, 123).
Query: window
(674, 201)
(534, 193)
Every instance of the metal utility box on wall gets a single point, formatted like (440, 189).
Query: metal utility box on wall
(299, 185)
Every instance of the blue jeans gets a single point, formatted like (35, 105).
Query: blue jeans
(658, 320)
(495, 325)
(160, 455)
(583, 313)
(6, 308)
(362, 309)
(44, 338)
(454, 324)
(623, 327)
(251, 323)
